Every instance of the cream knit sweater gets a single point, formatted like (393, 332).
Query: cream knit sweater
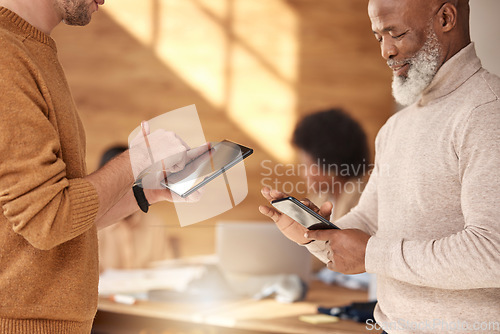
(432, 206)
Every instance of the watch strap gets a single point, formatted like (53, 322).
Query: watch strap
(140, 197)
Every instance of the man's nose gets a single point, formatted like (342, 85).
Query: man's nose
(388, 49)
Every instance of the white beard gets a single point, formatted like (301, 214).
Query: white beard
(423, 67)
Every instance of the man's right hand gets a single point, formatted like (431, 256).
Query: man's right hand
(289, 227)
(162, 146)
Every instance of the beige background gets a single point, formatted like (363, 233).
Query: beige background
(485, 32)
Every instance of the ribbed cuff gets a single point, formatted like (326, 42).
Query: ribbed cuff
(84, 205)
(43, 326)
(318, 249)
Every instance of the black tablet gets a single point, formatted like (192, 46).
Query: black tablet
(197, 173)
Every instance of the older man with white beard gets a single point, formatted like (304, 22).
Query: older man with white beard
(427, 223)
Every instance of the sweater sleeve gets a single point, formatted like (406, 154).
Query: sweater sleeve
(470, 258)
(36, 197)
(364, 215)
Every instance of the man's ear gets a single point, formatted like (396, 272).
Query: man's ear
(447, 17)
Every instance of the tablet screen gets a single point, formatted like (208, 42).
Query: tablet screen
(206, 167)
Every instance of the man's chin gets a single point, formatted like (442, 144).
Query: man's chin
(79, 17)
(79, 23)
(402, 93)
(400, 78)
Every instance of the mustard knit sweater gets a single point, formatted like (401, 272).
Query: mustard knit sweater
(48, 239)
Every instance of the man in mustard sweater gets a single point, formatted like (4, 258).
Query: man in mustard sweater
(427, 222)
(50, 207)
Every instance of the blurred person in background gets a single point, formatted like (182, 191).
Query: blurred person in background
(137, 241)
(333, 148)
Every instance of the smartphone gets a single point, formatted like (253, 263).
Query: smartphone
(302, 214)
(206, 167)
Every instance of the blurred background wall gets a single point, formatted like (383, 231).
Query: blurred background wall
(252, 67)
(485, 32)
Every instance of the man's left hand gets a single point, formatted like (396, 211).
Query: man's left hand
(346, 249)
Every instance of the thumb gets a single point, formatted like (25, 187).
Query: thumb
(145, 128)
(326, 209)
(141, 133)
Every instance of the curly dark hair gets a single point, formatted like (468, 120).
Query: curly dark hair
(332, 137)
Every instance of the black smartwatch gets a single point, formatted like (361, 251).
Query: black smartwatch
(140, 197)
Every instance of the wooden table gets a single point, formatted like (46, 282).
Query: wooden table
(229, 316)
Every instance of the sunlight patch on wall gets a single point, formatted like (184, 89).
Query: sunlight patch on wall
(193, 42)
(134, 16)
(240, 55)
(264, 63)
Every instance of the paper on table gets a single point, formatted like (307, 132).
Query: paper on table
(114, 281)
(200, 260)
(318, 319)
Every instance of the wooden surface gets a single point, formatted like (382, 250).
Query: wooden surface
(252, 68)
(265, 316)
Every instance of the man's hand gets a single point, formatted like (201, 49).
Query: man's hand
(289, 227)
(154, 156)
(346, 249)
(163, 148)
